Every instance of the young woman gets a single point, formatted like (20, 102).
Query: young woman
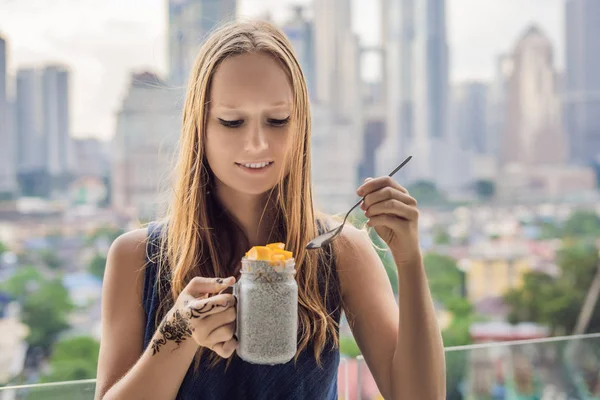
(243, 178)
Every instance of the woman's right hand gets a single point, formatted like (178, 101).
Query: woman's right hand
(210, 321)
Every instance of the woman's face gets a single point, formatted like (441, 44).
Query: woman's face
(248, 131)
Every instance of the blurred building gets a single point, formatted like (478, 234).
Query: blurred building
(299, 31)
(545, 182)
(468, 131)
(582, 80)
(148, 127)
(92, 157)
(8, 175)
(190, 22)
(337, 113)
(45, 159)
(416, 74)
(533, 134)
(337, 59)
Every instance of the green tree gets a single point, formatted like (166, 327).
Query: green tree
(446, 280)
(582, 223)
(73, 359)
(3, 248)
(21, 281)
(45, 311)
(97, 266)
(349, 347)
(426, 193)
(441, 236)
(50, 259)
(485, 189)
(556, 302)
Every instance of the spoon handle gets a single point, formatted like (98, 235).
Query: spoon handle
(402, 164)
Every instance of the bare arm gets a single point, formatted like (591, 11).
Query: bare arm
(401, 345)
(125, 371)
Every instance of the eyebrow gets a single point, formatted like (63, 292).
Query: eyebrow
(235, 107)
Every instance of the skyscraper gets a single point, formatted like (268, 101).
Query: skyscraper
(337, 111)
(416, 72)
(190, 21)
(469, 101)
(533, 134)
(300, 32)
(44, 145)
(148, 126)
(7, 149)
(337, 58)
(582, 80)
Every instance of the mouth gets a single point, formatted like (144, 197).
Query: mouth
(255, 166)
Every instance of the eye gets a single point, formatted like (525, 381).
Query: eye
(231, 124)
(278, 122)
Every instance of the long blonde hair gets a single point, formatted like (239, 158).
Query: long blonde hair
(198, 237)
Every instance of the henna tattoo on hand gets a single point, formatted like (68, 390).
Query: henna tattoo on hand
(176, 329)
(198, 312)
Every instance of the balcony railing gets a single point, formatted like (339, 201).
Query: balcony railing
(555, 368)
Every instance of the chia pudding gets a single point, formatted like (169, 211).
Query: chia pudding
(267, 311)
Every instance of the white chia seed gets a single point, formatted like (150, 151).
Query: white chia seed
(267, 312)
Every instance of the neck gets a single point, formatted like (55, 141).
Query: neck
(250, 211)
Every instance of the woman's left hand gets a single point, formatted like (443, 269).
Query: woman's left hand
(394, 215)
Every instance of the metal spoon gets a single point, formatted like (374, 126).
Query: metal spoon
(328, 237)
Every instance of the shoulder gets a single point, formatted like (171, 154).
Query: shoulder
(129, 246)
(126, 262)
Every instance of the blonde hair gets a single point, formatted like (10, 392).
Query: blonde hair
(195, 241)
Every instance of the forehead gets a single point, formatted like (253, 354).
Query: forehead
(254, 78)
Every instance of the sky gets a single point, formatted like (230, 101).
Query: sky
(103, 42)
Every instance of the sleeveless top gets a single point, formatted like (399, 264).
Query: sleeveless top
(295, 380)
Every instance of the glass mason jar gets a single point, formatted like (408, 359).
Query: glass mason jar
(267, 312)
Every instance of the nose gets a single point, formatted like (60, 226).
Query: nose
(256, 140)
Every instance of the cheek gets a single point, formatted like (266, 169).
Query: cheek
(216, 151)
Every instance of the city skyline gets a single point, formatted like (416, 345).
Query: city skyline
(111, 44)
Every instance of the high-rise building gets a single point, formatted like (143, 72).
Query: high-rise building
(299, 31)
(416, 72)
(337, 59)
(148, 126)
(336, 106)
(582, 80)
(533, 133)
(60, 161)
(468, 105)
(45, 159)
(8, 182)
(190, 21)
(496, 112)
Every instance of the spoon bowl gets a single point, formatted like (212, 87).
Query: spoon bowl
(327, 237)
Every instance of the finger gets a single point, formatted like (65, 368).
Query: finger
(375, 184)
(221, 334)
(393, 207)
(200, 309)
(226, 349)
(199, 286)
(386, 220)
(216, 321)
(386, 193)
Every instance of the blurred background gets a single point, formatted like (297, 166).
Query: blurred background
(498, 102)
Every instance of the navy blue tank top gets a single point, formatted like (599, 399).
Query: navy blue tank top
(295, 380)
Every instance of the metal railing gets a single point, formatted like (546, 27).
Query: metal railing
(552, 368)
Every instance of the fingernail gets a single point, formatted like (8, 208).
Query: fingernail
(368, 179)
